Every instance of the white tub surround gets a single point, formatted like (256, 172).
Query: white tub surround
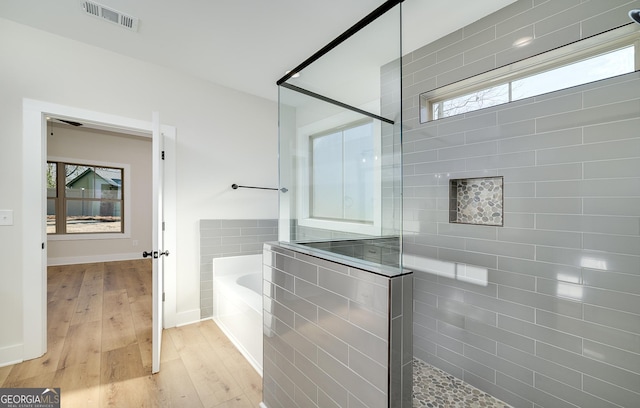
(225, 238)
(237, 303)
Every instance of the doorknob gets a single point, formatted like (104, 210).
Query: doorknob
(154, 254)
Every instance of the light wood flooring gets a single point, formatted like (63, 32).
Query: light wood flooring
(99, 347)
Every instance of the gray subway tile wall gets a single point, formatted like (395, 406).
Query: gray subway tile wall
(556, 323)
(338, 337)
(220, 238)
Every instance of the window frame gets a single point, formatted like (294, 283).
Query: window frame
(609, 41)
(61, 201)
(304, 196)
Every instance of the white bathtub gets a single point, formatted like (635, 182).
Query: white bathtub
(237, 303)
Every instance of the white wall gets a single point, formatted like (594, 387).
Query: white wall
(85, 145)
(223, 137)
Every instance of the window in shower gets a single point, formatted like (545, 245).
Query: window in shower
(342, 174)
(563, 68)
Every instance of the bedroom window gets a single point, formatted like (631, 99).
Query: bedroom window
(84, 199)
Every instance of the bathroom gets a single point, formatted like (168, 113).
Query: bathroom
(537, 305)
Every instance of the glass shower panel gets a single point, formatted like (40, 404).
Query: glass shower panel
(352, 73)
(340, 146)
(327, 176)
(360, 156)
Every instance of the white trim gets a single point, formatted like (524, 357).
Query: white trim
(127, 201)
(341, 226)
(171, 226)
(75, 260)
(262, 405)
(157, 243)
(189, 317)
(11, 355)
(98, 120)
(34, 255)
(84, 237)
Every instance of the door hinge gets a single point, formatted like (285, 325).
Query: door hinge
(163, 296)
(163, 155)
(163, 225)
(43, 245)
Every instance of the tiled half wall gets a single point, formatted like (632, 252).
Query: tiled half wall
(219, 238)
(335, 335)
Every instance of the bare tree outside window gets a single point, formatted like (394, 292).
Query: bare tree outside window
(483, 98)
(601, 66)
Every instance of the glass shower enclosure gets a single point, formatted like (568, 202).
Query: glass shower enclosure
(340, 162)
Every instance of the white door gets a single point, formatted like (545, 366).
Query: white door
(158, 252)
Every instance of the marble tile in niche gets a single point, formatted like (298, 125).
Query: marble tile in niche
(476, 201)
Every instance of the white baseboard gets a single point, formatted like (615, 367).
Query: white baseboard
(74, 260)
(188, 317)
(262, 405)
(11, 355)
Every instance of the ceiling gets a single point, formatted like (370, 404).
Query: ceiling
(246, 45)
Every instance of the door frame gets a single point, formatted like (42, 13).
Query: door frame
(34, 235)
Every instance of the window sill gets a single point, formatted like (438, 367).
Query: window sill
(341, 226)
(82, 237)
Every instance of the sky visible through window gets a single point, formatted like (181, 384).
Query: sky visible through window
(593, 69)
(342, 183)
(596, 68)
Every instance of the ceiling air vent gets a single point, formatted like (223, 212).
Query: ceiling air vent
(111, 15)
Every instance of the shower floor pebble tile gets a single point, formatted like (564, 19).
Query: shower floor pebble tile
(433, 388)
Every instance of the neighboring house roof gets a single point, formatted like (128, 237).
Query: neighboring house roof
(110, 176)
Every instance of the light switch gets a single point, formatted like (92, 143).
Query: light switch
(6, 217)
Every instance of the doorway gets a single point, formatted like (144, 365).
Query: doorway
(98, 193)
(34, 199)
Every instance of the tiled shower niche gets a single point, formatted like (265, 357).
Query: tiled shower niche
(476, 201)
